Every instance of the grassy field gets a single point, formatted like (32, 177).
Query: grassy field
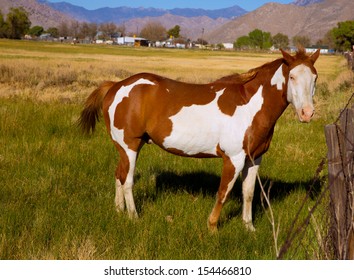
(57, 186)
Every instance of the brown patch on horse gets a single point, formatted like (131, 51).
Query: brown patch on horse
(234, 94)
(258, 136)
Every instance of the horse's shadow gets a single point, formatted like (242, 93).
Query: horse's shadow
(206, 184)
(194, 183)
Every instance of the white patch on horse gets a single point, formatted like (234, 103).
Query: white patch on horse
(195, 128)
(124, 91)
(201, 128)
(278, 78)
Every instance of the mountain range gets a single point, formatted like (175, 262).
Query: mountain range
(122, 14)
(312, 18)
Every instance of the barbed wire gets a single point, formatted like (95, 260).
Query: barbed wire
(293, 232)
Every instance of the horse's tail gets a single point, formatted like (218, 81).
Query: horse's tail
(93, 106)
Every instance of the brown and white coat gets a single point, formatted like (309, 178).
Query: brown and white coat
(232, 118)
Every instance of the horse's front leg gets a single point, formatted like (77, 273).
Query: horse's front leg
(231, 169)
(249, 176)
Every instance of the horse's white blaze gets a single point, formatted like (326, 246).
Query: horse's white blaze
(278, 78)
(124, 91)
(201, 128)
(301, 88)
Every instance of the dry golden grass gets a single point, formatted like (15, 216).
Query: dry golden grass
(65, 73)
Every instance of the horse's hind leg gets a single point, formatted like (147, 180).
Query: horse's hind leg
(125, 180)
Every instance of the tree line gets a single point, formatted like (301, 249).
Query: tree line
(340, 38)
(16, 24)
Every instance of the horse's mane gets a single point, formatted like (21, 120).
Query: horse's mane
(252, 73)
(301, 53)
(237, 78)
(247, 76)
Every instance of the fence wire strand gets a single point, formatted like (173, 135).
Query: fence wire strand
(298, 232)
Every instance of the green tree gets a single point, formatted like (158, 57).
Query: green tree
(260, 39)
(343, 35)
(36, 31)
(174, 32)
(267, 41)
(3, 26)
(242, 42)
(280, 41)
(18, 23)
(53, 31)
(302, 41)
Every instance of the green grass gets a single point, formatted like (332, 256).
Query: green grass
(57, 186)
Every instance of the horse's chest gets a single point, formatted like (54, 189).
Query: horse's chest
(200, 129)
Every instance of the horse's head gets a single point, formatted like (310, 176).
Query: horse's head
(301, 83)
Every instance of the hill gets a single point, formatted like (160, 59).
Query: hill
(313, 20)
(191, 27)
(39, 14)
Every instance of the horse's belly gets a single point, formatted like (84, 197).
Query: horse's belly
(192, 141)
(195, 130)
(202, 129)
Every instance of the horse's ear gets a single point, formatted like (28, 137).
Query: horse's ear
(315, 55)
(287, 57)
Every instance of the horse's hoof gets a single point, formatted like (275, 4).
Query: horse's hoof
(250, 227)
(212, 227)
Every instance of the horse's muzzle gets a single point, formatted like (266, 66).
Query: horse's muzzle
(306, 113)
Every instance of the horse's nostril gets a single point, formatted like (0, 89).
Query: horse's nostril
(307, 112)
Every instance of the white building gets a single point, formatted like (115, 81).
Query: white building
(132, 41)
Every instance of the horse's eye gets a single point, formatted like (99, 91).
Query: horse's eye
(292, 78)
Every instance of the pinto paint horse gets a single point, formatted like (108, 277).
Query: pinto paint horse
(232, 118)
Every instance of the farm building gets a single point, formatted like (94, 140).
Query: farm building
(132, 41)
(228, 46)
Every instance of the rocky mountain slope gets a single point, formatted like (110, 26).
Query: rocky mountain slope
(39, 14)
(313, 20)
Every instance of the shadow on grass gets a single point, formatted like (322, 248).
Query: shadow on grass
(206, 184)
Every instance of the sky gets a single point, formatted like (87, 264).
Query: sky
(248, 5)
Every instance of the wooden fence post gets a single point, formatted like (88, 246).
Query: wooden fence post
(340, 139)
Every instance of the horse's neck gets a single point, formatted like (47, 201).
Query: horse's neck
(275, 88)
